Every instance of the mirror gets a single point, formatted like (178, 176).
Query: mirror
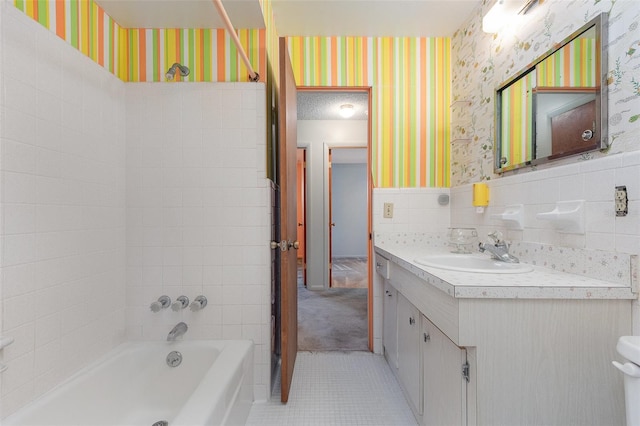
(557, 106)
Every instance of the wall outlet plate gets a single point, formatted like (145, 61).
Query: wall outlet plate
(621, 200)
(388, 211)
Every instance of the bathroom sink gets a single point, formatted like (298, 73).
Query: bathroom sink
(473, 263)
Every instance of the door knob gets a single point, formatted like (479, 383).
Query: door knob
(299, 223)
(284, 245)
(333, 224)
(294, 245)
(587, 135)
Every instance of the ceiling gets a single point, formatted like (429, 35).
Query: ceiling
(399, 18)
(325, 105)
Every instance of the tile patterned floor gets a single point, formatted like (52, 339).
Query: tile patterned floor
(338, 388)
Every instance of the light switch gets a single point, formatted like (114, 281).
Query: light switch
(388, 211)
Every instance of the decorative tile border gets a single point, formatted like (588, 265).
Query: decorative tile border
(614, 267)
(598, 264)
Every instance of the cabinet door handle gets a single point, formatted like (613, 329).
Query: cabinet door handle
(411, 321)
(426, 336)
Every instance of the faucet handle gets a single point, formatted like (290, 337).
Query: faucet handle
(163, 302)
(180, 303)
(198, 303)
(496, 237)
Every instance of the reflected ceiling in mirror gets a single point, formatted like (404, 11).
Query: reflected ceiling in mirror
(556, 106)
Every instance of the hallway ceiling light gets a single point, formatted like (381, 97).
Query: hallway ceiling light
(347, 110)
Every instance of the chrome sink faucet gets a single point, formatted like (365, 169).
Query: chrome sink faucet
(498, 248)
(179, 330)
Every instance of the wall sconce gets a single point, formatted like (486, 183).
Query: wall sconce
(347, 110)
(502, 12)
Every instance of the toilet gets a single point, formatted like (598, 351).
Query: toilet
(629, 348)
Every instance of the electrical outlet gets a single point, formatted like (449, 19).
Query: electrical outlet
(388, 211)
(621, 200)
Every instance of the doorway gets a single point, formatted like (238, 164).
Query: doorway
(327, 294)
(348, 233)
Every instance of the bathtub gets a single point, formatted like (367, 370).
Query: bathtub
(134, 385)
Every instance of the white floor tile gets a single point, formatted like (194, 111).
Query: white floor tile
(338, 388)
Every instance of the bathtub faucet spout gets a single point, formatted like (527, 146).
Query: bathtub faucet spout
(177, 331)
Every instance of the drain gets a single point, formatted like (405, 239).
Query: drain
(161, 423)
(174, 359)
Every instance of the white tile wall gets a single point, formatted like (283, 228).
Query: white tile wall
(593, 181)
(198, 215)
(414, 210)
(62, 167)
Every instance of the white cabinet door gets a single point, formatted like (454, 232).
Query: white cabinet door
(445, 388)
(390, 325)
(409, 351)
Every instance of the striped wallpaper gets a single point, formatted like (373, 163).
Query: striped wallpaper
(411, 85)
(82, 23)
(411, 77)
(517, 123)
(135, 55)
(210, 54)
(572, 66)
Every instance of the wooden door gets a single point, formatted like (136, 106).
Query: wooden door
(287, 145)
(302, 227)
(567, 129)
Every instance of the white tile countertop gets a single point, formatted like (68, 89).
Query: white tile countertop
(541, 283)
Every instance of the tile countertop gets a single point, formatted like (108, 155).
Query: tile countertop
(541, 283)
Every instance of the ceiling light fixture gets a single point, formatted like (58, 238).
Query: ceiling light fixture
(347, 110)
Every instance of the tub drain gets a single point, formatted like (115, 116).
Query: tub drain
(174, 359)
(161, 423)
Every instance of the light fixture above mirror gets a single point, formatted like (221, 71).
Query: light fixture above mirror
(502, 12)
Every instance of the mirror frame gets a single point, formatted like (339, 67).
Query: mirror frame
(599, 23)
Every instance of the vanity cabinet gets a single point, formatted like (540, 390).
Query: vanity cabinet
(445, 376)
(390, 325)
(408, 319)
(531, 361)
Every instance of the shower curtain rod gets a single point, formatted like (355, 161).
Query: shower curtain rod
(253, 76)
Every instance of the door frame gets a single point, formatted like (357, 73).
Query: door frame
(368, 91)
(302, 204)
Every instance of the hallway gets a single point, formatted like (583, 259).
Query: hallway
(335, 319)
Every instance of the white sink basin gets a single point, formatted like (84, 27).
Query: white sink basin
(473, 263)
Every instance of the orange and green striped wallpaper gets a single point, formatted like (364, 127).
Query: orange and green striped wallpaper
(82, 23)
(572, 66)
(136, 55)
(410, 77)
(210, 54)
(411, 91)
(517, 123)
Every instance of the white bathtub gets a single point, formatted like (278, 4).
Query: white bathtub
(133, 385)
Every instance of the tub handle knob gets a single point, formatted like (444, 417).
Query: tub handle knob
(163, 302)
(180, 303)
(198, 303)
